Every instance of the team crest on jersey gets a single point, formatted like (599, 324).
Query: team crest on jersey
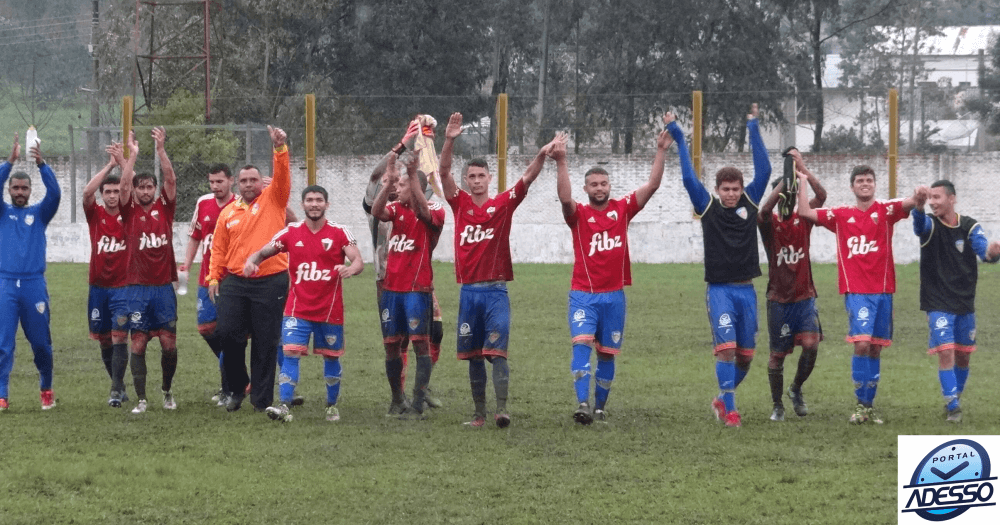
(960, 245)
(331, 340)
(143, 218)
(616, 336)
(724, 320)
(863, 314)
(613, 215)
(785, 330)
(579, 316)
(874, 217)
(742, 212)
(121, 320)
(941, 322)
(327, 243)
(136, 317)
(95, 314)
(291, 322)
(155, 214)
(494, 337)
(385, 315)
(491, 210)
(29, 219)
(464, 330)
(414, 323)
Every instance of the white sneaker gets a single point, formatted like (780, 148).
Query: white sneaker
(168, 401)
(140, 408)
(332, 414)
(279, 413)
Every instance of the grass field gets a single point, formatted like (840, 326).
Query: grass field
(661, 459)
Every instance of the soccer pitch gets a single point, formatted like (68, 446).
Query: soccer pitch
(662, 458)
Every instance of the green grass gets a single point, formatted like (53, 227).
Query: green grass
(661, 459)
(55, 133)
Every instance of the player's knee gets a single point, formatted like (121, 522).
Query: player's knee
(946, 359)
(139, 342)
(105, 340)
(168, 340)
(207, 329)
(862, 347)
(392, 351)
(776, 360)
(743, 360)
(962, 359)
(727, 355)
(421, 348)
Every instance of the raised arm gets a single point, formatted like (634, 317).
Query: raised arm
(128, 171)
(281, 183)
(563, 188)
(166, 168)
(922, 224)
(696, 190)
(767, 208)
(819, 192)
(50, 202)
(451, 133)
(418, 201)
(537, 163)
(918, 198)
(90, 190)
(663, 141)
(761, 162)
(379, 210)
(254, 261)
(375, 179)
(806, 211)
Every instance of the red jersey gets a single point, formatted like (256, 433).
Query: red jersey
(789, 271)
(108, 254)
(864, 245)
(150, 240)
(482, 235)
(408, 251)
(600, 245)
(314, 292)
(206, 214)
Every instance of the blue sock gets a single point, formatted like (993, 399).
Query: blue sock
(331, 372)
(605, 375)
(961, 375)
(874, 367)
(859, 374)
(741, 372)
(949, 387)
(581, 372)
(288, 378)
(725, 372)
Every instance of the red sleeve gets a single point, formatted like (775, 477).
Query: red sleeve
(894, 211)
(571, 220)
(631, 206)
(457, 200)
(90, 211)
(517, 193)
(281, 240)
(196, 231)
(437, 216)
(827, 218)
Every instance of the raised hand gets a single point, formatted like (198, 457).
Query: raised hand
(664, 140)
(278, 136)
(753, 111)
(159, 137)
(16, 152)
(454, 128)
(391, 170)
(556, 149)
(133, 144)
(116, 152)
(993, 251)
(668, 117)
(411, 165)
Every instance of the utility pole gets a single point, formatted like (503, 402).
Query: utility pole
(544, 67)
(95, 108)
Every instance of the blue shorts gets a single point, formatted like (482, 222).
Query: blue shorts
(483, 320)
(206, 308)
(99, 305)
(142, 308)
(869, 318)
(406, 315)
(788, 322)
(328, 339)
(732, 314)
(951, 332)
(598, 317)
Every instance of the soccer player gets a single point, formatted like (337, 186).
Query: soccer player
(866, 275)
(729, 230)
(206, 215)
(483, 267)
(792, 317)
(149, 308)
(601, 270)
(316, 249)
(24, 297)
(108, 255)
(406, 305)
(949, 244)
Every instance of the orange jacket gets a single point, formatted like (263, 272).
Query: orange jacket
(244, 228)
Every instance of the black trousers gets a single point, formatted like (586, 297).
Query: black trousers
(251, 307)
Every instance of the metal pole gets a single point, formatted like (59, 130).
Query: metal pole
(248, 148)
(893, 139)
(126, 122)
(696, 132)
(95, 107)
(208, 58)
(501, 142)
(311, 138)
(72, 177)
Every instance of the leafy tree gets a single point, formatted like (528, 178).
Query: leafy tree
(987, 104)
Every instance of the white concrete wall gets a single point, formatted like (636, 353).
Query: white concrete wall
(664, 231)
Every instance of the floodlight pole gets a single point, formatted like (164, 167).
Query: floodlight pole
(893, 139)
(311, 138)
(501, 142)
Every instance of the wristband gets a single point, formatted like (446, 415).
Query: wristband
(281, 149)
(399, 149)
(212, 282)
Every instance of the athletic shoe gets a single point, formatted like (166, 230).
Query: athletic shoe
(168, 401)
(412, 414)
(140, 408)
(234, 403)
(860, 415)
(48, 399)
(279, 413)
(872, 417)
(733, 419)
(955, 416)
(223, 399)
(432, 400)
(298, 401)
(397, 409)
(798, 402)
(778, 414)
(115, 401)
(600, 416)
(478, 420)
(219, 397)
(583, 415)
(502, 420)
(3, 404)
(718, 408)
(332, 414)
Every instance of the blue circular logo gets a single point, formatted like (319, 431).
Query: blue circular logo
(951, 474)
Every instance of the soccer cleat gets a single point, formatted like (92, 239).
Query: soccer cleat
(954, 416)
(778, 414)
(332, 414)
(412, 414)
(115, 401)
(48, 399)
(218, 397)
(279, 413)
(798, 402)
(478, 420)
(872, 417)
(718, 408)
(223, 399)
(168, 401)
(397, 409)
(860, 415)
(733, 419)
(298, 401)
(600, 416)
(234, 403)
(140, 408)
(4, 406)
(431, 400)
(502, 420)
(583, 415)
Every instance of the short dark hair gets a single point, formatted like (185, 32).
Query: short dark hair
(946, 184)
(788, 151)
(223, 168)
(861, 170)
(110, 179)
(251, 167)
(139, 177)
(596, 170)
(20, 175)
(479, 163)
(315, 188)
(728, 174)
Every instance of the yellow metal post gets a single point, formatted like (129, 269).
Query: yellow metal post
(696, 132)
(126, 122)
(501, 142)
(893, 139)
(311, 138)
